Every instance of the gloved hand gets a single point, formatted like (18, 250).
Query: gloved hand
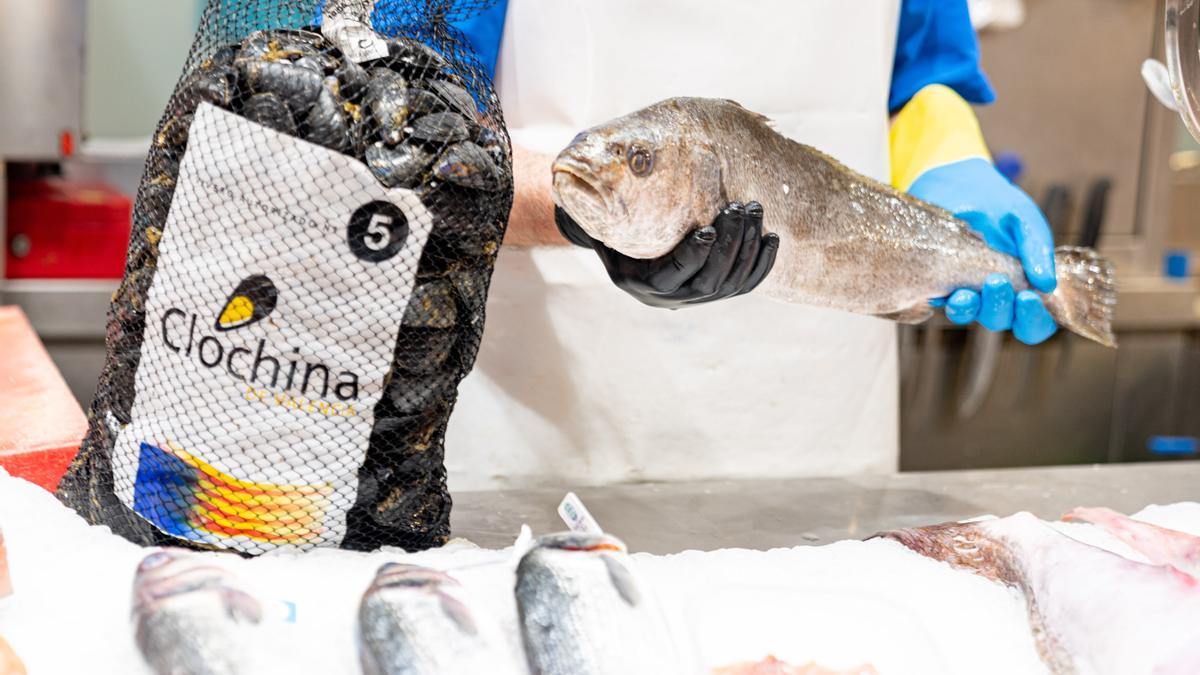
(728, 258)
(938, 155)
(1010, 222)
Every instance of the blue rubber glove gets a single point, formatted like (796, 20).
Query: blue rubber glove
(973, 190)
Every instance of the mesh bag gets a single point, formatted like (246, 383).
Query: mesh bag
(312, 245)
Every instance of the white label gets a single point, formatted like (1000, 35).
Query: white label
(282, 278)
(576, 515)
(347, 24)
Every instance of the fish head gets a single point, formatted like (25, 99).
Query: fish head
(642, 182)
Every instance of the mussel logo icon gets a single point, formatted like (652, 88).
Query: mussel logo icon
(252, 301)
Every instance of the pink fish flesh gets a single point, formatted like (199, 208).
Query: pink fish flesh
(1091, 611)
(1160, 545)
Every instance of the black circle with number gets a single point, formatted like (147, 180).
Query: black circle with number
(377, 231)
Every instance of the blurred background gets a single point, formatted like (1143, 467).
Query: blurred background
(1074, 125)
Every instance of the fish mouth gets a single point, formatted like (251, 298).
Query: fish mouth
(577, 190)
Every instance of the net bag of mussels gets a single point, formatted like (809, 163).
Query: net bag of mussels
(312, 245)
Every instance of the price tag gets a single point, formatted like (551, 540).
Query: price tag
(576, 515)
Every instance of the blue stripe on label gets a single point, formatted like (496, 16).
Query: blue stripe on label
(164, 491)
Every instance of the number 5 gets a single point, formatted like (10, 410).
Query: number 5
(379, 232)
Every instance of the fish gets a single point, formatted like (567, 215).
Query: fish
(773, 666)
(417, 621)
(10, 663)
(582, 611)
(642, 182)
(1160, 545)
(190, 617)
(1090, 610)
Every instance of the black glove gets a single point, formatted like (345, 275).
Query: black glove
(728, 258)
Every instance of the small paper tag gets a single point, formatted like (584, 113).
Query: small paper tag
(347, 23)
(576, 515)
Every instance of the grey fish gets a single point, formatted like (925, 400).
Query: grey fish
(413, 621)
(1090, 611)
(583, 612)
(191, 619)
(642, 182)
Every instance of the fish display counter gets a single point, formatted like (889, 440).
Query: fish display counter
(817, 576)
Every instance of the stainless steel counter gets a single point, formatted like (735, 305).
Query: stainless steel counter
(671, 517)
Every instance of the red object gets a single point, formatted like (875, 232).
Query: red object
(41, 423)
(66, 144)
(63, 230)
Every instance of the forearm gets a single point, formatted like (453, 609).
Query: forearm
(531, 222)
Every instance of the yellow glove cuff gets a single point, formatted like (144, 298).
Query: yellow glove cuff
(937, 127)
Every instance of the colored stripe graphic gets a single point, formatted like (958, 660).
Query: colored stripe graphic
(187, 497)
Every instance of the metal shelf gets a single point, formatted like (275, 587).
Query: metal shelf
(62, 308)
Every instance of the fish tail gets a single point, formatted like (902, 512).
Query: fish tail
(1086, 295)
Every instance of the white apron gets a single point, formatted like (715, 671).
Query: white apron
(577, 383)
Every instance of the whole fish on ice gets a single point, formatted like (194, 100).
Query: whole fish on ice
(191, 619)
(643, 182)
(1160, 545)
(1091, 611)
(583, 611)
(417, 621)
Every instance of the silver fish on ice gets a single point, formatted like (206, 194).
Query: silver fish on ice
(191, 619)
(584, 612)
(643, 182)
(417, 621)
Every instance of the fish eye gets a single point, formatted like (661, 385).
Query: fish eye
(641, 161)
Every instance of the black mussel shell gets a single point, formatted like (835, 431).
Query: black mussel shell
(414, 57)
(297, 86)
(492, 142)
(431, 306)
(173, 135)
(422, 102)
(401, 166)
(455, 96)
(411, 394)
(389, 113)
(421, 351)
(329, 121)
(222, 57)
(270, 111)
(155, 202)
(212, 83)
(468, 165)
(310, 63)
(442, 128)
(353, 79)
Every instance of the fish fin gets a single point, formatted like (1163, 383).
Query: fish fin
(919, 313)
(1086, 296)
(753, 113)
(622, 580)
(458, 612)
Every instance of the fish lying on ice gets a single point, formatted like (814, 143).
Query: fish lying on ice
(1160, 545)
(642, 182)
(10, 663)
(773, 666)
(191, 619)
(1091, 611)
(583, 611)
(416, 621)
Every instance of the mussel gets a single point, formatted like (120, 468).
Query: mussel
(455, 96)
(422, 102)
(269, 110)
(411, 394)
(329, 122)
(387, 102)
(401, 166)
(173, 136)
(296, 85)
(421, 351)
(414, 57)
(468, 165)
(352, 79)
(212, 83)
(431, 306)
(442, 128)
